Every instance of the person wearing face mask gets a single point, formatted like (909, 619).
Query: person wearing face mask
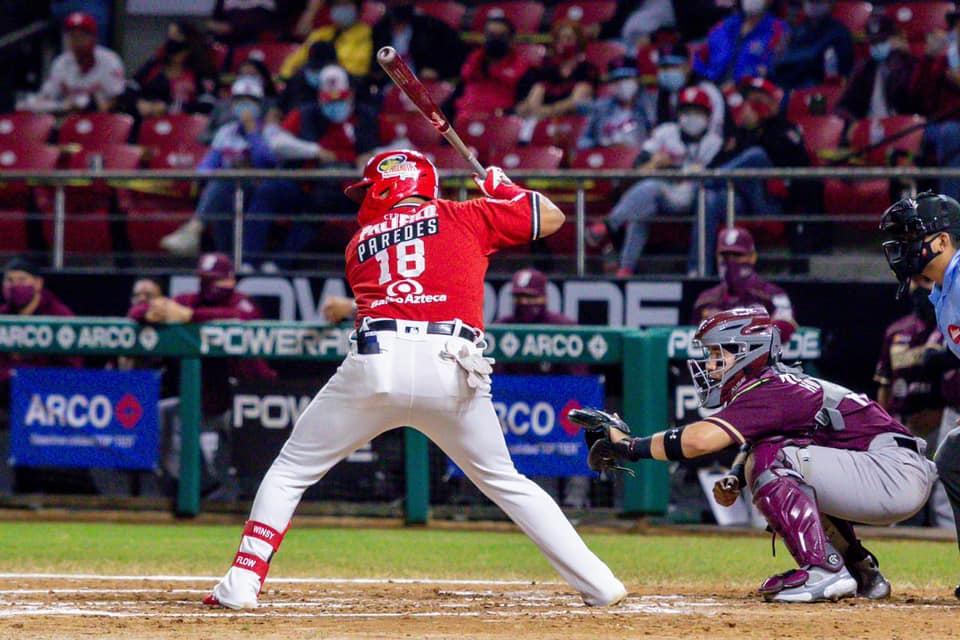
(301, 89)
(350, 36)
(85, 77)
(620, 118)
(492, 72)
(565, 83)
(236, 22)
(819, 39)
(745, 44)
(237, 144)
(673, 74)
(740, 286)
(879, 85)
(685, 144)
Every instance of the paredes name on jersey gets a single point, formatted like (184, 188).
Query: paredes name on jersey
(397, 228)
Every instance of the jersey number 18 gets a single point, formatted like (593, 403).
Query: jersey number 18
(411, 261)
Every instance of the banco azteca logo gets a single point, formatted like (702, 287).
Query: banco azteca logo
(404, 287)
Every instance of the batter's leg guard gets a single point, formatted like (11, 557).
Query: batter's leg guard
(240, 588)
(790, 508)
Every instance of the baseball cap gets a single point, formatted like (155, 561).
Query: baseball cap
(735, 240)
(215, 266)
(622, 67)
(22, 263)
(529, 282)
(334, 83)
(879, 27)
(757, 83)
(80, 21)
(246, 87)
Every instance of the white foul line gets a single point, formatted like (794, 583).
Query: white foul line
(214, 579)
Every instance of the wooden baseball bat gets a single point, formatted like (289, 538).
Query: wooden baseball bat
(392, 63)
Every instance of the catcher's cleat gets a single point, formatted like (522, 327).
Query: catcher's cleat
(871, 583)
(809, 584)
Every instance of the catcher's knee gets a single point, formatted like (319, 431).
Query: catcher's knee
(766, 462)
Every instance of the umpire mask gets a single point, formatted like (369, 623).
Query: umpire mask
(911, 223)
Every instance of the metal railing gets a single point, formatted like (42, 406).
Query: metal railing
(581, 181)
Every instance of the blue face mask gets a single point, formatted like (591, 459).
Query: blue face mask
(671, 79)
(337, 111)
(880, 51)
(239, 108)
(343, 15)
(312, 76)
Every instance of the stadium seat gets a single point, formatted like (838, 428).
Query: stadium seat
(446, 157)
(396, 101)
(24, 127)
(156, 208)
(813, 101)
(450, 12)
(87, 229)
(868, 198)
(599, 192)
(854, 14)
(868, 131)
(562, 131)
(533, 52)
(647, 57)
(408, 125)
(16, 198)
(165, 131)
(916, 19)
(585, 12)
(272, 54)
(820, 134)
(531, 157)
(95, 130)
(219, 53)
(525, 16)
(601, 53)
(489, 134)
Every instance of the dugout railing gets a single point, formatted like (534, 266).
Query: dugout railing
(643, 356)
(576, 181)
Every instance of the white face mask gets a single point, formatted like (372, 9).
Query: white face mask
(626, 89)
(693, 124)
(753, 7)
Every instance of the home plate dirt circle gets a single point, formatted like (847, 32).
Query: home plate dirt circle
(85, 606)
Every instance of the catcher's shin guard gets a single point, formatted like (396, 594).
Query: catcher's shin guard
(239, 589)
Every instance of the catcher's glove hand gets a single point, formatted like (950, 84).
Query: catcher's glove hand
(597, 425)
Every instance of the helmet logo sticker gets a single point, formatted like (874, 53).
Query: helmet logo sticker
(397, 166)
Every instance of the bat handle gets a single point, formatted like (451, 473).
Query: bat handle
(451, 136)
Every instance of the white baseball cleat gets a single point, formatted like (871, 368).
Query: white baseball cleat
(185, 240)
(610, 600)
(813, 584)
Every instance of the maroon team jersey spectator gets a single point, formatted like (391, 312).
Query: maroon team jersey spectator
(900, 367)
(50, 305)
(755, 292)
(489, 85)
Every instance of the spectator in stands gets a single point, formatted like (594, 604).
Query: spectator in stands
(695, 18)
(180, 78)
(222, 113)
(635, 22)
(85, 77)
(430, 46)
(237, 144)
(745, 44)
(880, 85)
(763, 138)
(330, 133)
(144, 291)
(238, 22)
(673, 74)
(686, 144)
(740, 286)
(619, 118)
(936, 77)
(491, 74)
(352, 38)
(566, 82)
(302, 88)
(820, 49)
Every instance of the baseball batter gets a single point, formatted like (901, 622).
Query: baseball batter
(822, 456)
(924, 238)
(417, 268)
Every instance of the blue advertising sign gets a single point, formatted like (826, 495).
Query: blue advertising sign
(533, 414)
(84, 418)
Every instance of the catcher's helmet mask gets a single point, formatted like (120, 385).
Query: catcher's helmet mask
(910, 222)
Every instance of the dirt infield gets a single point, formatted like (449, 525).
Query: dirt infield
(64, 607)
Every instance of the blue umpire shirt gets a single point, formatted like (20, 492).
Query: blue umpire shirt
(946, 301)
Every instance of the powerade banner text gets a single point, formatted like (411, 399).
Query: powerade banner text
(533, 415)
(84, 418)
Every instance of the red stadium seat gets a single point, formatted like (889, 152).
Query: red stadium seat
(219, 53)
(585, 12)
(87, 228)
(616, 157)
(272, 54)
(647, 57)
(857, 197)
(95, 130)
(489, 134)
(408, 125)
(872, 130)
(601, 53)
(563, 131)
(24, 126)
(446, 157)
(531, 157)
(535, 53)
(813, 101)
(525, 16)
(450, 12)
(165, 131)
(820, 134)
(16, 198)
(916, 19)
(854, 14)
(396, 101)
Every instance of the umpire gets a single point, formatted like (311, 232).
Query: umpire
(924, 240)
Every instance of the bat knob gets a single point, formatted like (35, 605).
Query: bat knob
(729, 483)
(386, 54)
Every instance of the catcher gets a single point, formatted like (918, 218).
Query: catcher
(820, 456)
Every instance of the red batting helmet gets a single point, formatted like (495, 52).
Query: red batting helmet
(695, 97)
(391, 176)
(748, 334)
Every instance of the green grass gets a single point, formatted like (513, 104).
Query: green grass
(420, 553)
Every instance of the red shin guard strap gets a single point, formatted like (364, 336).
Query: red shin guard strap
(264, 532)
(251, 562)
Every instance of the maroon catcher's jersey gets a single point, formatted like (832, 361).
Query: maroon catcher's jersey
(428, 261)
(900, 366)
(784, 404)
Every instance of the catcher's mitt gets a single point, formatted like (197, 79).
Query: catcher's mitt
(597, 425)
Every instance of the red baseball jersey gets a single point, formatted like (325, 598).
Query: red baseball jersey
(428, 261)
